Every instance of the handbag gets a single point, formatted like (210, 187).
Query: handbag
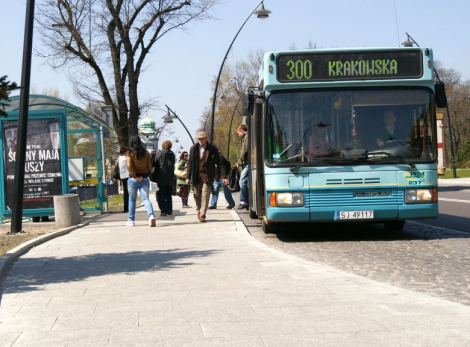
(154, 174)
(153, 187)
(116, 173)
(184, 192)
(181, 174)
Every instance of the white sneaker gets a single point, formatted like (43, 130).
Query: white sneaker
(152, 222)
(130, 223)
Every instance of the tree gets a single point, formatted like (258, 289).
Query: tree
(458, 98)
(235, 80)
(104, 43)
(5, 89)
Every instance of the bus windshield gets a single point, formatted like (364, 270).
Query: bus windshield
(350, 127)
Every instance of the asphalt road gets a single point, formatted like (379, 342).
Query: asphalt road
(423, 257)
(454, 209)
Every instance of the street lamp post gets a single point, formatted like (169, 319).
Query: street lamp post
(169, 119)
(262, 13)
(17, 208)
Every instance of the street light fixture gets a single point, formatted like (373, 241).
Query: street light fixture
(169, 119)
(262, 13)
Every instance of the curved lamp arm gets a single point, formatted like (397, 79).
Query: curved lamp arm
(220, 72)
(174, 114)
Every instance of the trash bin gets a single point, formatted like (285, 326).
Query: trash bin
(66, 210)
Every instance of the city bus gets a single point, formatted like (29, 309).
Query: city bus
(343, 135)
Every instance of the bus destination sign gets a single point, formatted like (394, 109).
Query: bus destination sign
(354, 65)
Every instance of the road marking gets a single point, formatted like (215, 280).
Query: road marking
(455, 200)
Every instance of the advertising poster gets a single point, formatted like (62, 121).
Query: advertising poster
(43, 176)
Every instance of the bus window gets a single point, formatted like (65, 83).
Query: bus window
(305, 125)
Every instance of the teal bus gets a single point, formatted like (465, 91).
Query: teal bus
(343, 135)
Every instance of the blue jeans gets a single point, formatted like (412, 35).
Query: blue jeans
(227, 193)
(143, 187)
(164, 199)
(244, 186)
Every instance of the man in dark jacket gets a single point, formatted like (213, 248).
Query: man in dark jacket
(165, 160)
(203, 157)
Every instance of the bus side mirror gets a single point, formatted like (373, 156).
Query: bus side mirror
(440, 95)
(248, 104)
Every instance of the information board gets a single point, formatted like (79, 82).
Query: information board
(43, 175)
(350, 65)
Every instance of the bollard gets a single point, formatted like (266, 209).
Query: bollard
(66, 210)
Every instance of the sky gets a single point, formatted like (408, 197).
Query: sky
(181, 66)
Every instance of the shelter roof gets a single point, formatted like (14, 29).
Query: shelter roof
(44, 104)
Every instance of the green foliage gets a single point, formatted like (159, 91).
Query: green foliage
(5, 88)
(463, 156)
(461, 173)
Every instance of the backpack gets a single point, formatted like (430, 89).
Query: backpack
(153, 174)
(116, 173)
(234, 180)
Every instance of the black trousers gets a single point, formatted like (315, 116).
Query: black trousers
(164, 199)
(126, 195)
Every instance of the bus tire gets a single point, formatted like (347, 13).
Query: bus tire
(396, 225)
(269, 228)
(252, 214)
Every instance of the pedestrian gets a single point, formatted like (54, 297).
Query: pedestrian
(124, 176)
(139, 166)
(242, 163)
(181, 181)
(218, 183)
(165, 159)
(203, 158)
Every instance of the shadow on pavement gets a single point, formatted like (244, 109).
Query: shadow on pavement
(32, 274)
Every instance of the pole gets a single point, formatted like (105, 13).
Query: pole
(17, 207)
(220, 73)
(454, 171)
(169, 109)
(103, 169)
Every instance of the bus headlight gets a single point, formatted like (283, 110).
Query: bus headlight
(287, 199)
(416, 196)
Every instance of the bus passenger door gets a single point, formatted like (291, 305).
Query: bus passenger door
(256, 180)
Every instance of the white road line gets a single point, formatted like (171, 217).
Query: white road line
(455, 200)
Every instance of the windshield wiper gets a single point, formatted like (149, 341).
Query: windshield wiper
(285, 150)
(390, 156)
(328, 160)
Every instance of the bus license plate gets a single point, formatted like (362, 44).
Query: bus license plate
(354, 214)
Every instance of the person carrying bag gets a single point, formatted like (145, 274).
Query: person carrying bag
(183, 188)
(165, 161)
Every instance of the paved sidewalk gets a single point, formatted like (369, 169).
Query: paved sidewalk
(186, 283)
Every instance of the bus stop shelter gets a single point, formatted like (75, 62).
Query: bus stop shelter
(49, 170)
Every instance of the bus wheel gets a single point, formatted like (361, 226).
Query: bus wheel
(252, 214)
(269, 228)
(396, 225)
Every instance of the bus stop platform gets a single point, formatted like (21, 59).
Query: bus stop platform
(186, 283)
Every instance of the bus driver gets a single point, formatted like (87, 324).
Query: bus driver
(390, 131)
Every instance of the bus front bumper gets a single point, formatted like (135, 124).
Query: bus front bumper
(328, 214)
